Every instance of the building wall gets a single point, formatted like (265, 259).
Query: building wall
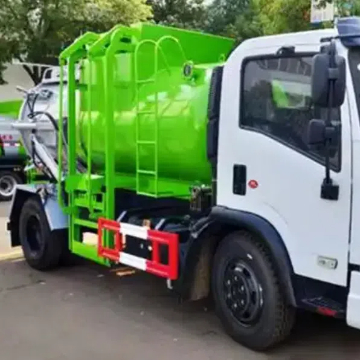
(14, 75)
(10, 98)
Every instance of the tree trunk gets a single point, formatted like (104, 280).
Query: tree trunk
(35, 72)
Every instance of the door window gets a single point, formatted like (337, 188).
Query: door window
(276, 101)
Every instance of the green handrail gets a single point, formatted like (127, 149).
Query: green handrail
(70, 56)
(98, 48)
(89, 142)
(176, 41)
(78, 44)
(115, 46)
(60, 137)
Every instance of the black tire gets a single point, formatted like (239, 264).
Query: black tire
(8, 182)
(42, 247)
(268, 319)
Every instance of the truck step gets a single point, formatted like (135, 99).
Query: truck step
(325, 306)
(83, 202)
(82, 182)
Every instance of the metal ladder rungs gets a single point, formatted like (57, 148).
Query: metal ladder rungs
(152, 144)
(147, 172)
(151, 194)
(147, 81)
(146, 112)
(146, 142)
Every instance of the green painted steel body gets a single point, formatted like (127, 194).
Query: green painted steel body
(137, 118)
(159, 114)
(182, 118)
(10, 108)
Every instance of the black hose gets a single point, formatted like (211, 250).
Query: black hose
(33, 155)
(53, 122)
(31, 105)
(49, 116)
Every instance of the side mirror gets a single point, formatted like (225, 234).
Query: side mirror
(328, 83)
(328, 70)
(318, 133)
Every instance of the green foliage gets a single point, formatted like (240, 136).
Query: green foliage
(101, 15)
(249, 23)
(243, 19)
(36, 30)
(5, 56)
(344, 7)
(223, 15)
(179, 13)
(283, 16)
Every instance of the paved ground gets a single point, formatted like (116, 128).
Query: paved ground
(84, 313)
(4, 243)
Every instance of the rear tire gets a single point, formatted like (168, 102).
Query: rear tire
(248, 297)
(42, 247)
(8, 182)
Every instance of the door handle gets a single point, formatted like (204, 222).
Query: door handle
(239, 179)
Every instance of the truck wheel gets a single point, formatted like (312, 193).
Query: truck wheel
(247, 293)
(42, 247)
(8, 182)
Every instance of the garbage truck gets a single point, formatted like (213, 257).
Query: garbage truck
(13, 159)
(229, 171)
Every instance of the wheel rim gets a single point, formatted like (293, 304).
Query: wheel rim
(7, 185)
(33, 234)
(243, 293)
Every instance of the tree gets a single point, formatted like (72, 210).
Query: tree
(179, 13)
(248, 23)
(223, 14)
(343, 7)
(5, 56)
(35, 31)
(282, 16)
(242, 19)
(279, 16)
(101, 15)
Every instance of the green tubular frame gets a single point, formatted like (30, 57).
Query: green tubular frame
(115, 46)
(113, 38)
(70, 57)
(95, 191)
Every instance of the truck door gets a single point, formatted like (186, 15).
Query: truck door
(265, 109)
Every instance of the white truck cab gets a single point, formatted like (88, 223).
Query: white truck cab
(306, 194)
(269, 140)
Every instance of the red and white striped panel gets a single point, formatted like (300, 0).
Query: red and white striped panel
(10, 144)
(156, 238)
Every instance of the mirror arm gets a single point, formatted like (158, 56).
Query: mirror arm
(329, 190)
